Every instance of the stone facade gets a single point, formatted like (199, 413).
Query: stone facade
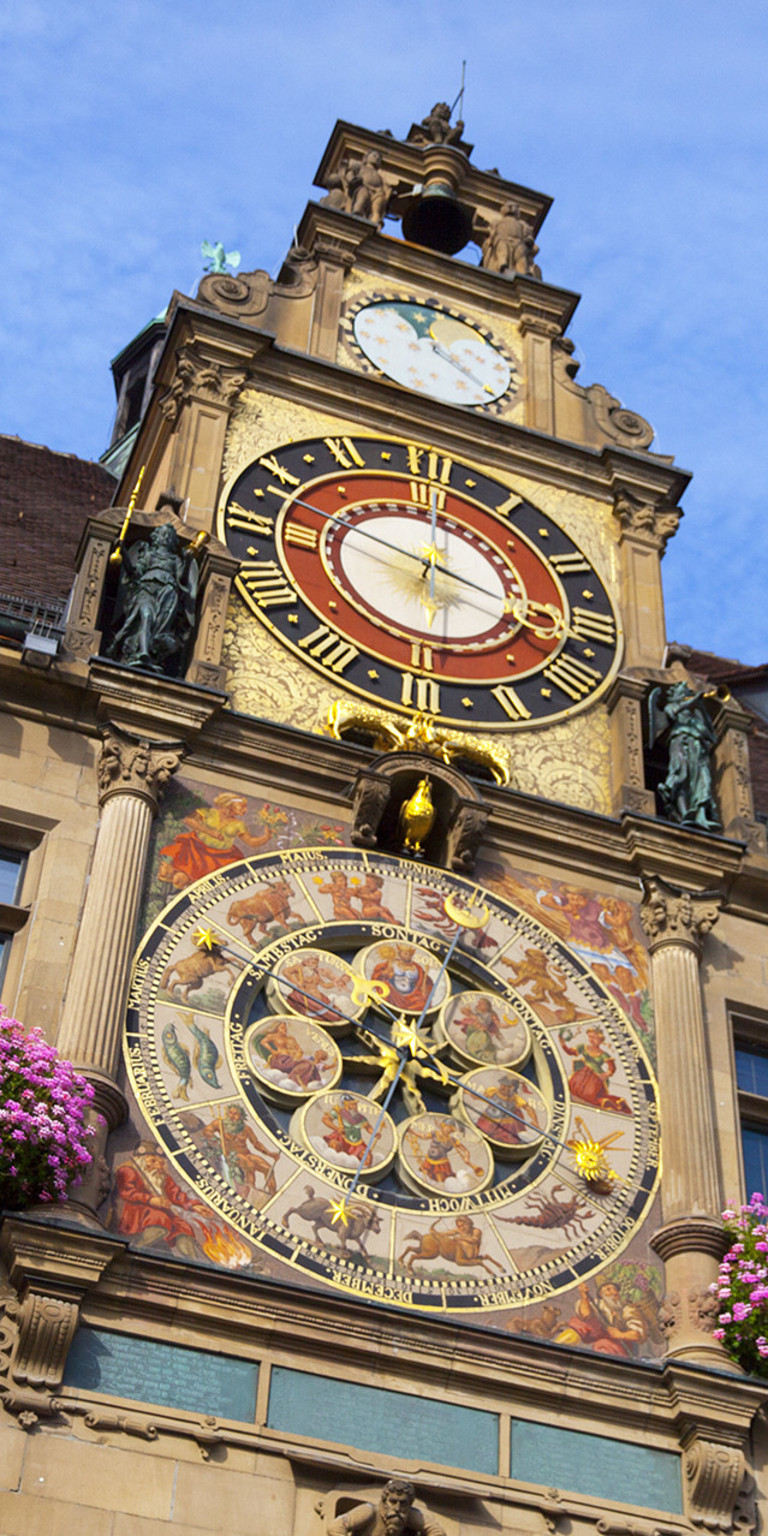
(200, 1339)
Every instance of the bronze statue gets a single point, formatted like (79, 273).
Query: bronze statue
(370, 193)
(156, 603)
(394, 1516)
(509, 245)
(436, 127)
(686, 791)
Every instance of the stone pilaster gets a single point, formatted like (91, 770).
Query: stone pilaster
(691, 1241)
(645, 528)
(132, 774)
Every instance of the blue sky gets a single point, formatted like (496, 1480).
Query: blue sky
(135, 130)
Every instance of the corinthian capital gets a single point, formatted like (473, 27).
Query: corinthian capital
(129, 765)
(202, 377)
(656, 523)
(672, 916)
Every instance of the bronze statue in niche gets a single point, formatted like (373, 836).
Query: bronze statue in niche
(155, 604)
(678, 715)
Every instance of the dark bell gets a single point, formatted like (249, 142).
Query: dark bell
(438, 221)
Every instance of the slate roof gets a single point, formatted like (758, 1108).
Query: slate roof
(45, 500)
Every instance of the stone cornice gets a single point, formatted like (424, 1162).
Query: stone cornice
(506, 1372)
(151, 706)
(380, 406)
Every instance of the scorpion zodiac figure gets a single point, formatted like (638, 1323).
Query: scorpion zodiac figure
(548, 1212)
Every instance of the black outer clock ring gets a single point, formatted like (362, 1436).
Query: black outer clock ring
(252, 512)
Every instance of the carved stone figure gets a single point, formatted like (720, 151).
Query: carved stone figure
(680, 715)
(370, 193)
(156, 603)
(394, 1515)
(509, 245)
(436, 128)
(338, 188)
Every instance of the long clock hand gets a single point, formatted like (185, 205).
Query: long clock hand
(395, 549)
(520, 612)
(449, 358)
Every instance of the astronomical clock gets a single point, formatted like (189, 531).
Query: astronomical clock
(378, 1060)
(393, 1079)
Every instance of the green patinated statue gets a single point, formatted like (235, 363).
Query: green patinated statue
(680, 715)
(155, 604)
(217, 259)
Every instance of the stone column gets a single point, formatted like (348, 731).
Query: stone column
(132, 774)
(691, 1241)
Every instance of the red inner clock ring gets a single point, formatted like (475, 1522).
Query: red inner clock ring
(484, 643)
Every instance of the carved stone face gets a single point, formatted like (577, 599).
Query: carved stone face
(395, 1505)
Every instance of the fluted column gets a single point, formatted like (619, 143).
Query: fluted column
(691, 1240)
(132, 774)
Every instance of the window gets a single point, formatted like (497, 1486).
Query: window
(751, 1053)
(12, 916)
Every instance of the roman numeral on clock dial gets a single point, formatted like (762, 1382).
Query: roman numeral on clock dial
(420, 582)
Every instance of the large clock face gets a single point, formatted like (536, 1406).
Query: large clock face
(432, 352)
(420, 582)
(329, 1029)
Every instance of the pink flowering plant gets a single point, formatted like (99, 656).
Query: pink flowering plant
(43, 1108)
(742, 1288)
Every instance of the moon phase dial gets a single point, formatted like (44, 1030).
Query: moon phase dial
(381, 1096)
(420, 583)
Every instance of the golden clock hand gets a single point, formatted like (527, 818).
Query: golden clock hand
(430, 554)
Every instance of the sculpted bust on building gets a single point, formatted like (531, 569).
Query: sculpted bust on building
(394, 1515)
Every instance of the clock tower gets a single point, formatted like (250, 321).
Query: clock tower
(392, 973)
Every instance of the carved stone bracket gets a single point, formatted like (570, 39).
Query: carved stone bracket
(130, 765)
(201, 378)
(714, 1475)
(671, 916)
(50, 1274)
(653, 522)
(343, 1510)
